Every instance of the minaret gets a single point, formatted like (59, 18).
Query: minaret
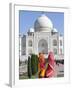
(20, 43)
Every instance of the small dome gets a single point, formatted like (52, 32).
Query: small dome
(43, 22)
(31, 30)
(54, 30)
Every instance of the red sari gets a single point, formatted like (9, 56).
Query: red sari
(50, 71)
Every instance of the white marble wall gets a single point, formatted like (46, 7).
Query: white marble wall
(47, 36)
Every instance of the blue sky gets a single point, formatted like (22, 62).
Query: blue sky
(27, 19)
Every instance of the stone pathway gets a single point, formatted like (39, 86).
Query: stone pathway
(59, 69)
(22, 69)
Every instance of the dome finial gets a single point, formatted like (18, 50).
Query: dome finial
(42, 12)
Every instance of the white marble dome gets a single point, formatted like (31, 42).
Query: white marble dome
(43, 23)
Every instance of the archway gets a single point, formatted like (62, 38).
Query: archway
(43, 46)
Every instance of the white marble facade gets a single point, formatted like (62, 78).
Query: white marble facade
(42, 38)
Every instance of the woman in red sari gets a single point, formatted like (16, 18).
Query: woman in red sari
(50, 71)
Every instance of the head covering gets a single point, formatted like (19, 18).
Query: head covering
(51, 60)
(41, 58)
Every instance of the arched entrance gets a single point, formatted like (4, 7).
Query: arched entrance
(43, 46)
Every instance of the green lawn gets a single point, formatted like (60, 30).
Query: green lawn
(25, 76)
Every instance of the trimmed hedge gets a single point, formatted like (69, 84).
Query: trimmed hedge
(29, 68)
(34, 64)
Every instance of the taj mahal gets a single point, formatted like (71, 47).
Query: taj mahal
(42, 38)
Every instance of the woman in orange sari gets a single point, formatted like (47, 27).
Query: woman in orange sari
(41, 65)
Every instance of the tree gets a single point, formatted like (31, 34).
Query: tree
(34, 64)
(37, 62)
(29, 67)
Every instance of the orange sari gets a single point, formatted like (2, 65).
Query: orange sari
(41, 65)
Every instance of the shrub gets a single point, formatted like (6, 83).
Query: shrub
(29, 67)
(34, 64)
(37, 62)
